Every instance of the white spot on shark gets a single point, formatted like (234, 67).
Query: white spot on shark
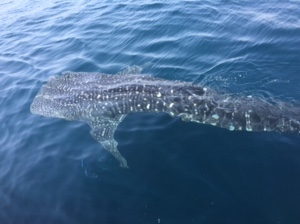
(215, 116)
(248, 128)
(206, 106)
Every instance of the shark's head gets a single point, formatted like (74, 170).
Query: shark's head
(45, 106)
(51, 102)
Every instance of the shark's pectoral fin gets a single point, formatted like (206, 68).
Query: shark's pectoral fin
(103, 131)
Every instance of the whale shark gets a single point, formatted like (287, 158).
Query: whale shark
(104, 100)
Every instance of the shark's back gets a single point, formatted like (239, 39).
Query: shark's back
(117, 94)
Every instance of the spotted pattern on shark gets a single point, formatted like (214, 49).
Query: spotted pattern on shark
(103, 101)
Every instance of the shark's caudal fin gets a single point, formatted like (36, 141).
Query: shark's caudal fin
(103, 131)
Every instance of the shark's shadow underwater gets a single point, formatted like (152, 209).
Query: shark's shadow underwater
(103, 101)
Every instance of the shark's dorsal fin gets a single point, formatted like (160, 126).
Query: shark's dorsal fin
(131, 70)
(103, 131)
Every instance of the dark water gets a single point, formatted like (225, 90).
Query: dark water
(53, 171)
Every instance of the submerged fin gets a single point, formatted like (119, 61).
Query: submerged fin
(103, 131)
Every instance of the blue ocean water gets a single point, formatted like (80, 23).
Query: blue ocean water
(53, 171)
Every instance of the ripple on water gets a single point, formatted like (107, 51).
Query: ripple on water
(53, 171)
